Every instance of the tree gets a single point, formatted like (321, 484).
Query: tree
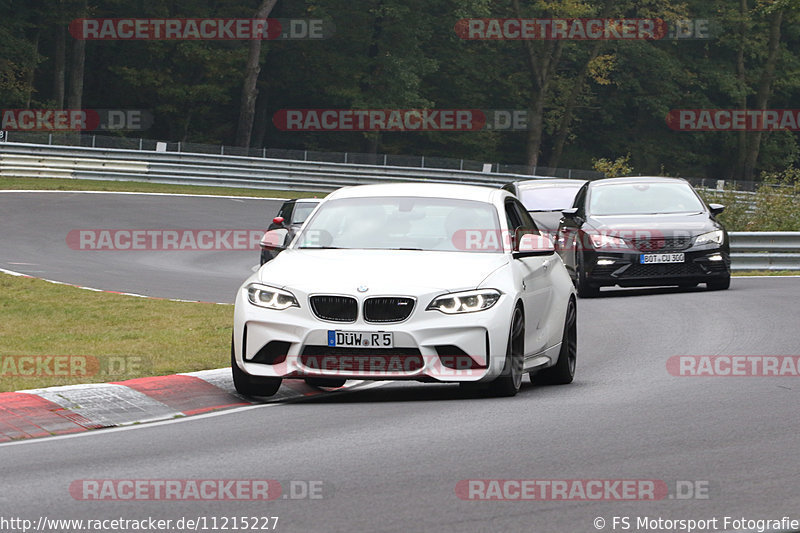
(249, 91)
(77, 64)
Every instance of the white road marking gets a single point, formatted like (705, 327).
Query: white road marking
(149, 193)
(180, 420)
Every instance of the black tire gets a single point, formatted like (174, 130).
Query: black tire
(585, 289)
(563, 372)
(333, 383)
(510, 380)
(248, 385)
(719, 285)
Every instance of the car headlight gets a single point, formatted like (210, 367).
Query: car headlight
(712, 237)
(270, 297)
(465, 302)
(607, 241)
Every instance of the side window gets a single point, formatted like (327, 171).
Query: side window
(286, 211)
(512, 216)
(580, 198)
(527, 223)
(519, 221)
(301, 211)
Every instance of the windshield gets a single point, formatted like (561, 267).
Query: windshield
(644, 199)
(550, 198)
(398, 223)
(302, 210)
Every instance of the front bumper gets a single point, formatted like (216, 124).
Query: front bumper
(624, 268)
(428, 346)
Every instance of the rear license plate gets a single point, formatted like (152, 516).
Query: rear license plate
(648, 259)
(361, 339)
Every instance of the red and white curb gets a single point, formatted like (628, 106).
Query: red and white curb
(75, 408)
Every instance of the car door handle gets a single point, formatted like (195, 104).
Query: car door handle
(546, 264)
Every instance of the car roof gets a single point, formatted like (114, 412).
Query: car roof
(298, 200)
(427, 190)
(636, 179)
(548, 182)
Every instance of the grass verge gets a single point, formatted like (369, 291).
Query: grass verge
(63, 184)
(105, 337)
(767, 273)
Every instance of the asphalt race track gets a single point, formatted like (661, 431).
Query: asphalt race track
(34, 228)
(390, 457)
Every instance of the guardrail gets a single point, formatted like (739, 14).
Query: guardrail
(29, 160)
(348, 158)
(749, 251)
(765, 250)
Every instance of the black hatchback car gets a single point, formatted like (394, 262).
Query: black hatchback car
(643, 231)
(545, 198)
(285, 225)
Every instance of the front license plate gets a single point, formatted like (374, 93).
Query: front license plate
(648, 259)
(361, 339)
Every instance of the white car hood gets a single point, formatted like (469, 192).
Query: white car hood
(381, 271)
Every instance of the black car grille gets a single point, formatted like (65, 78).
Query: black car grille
(662, 271)
(663, 244)
(335, 308)
(388, 309)
(604, 270)
(354, 360)
(716, 266)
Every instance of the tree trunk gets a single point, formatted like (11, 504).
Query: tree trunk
(77, 66)
(541, 64)
(372, 140)
(59, 58)
(577, 87)
(247, 110)
(31, 73)
(740, 77)
(262, 113)
(78, 62)
(765, 89)
(569, 106)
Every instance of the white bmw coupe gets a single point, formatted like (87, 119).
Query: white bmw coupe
(427, 282)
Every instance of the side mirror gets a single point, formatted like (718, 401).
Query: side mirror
(278, 221)
(273, 240)
(716, 209)
(530, 245)
(571, 213)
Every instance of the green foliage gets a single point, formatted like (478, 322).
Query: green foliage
(738, 207)
(775, 206)
(613, 169)
(405, 54)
